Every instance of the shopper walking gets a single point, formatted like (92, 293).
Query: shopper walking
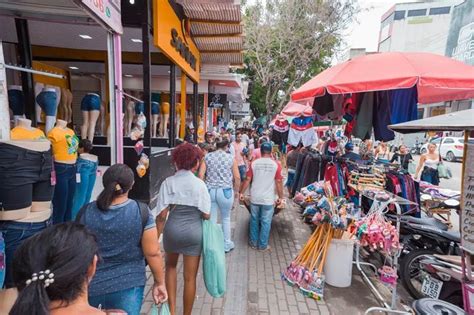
(402, 157)
(185, 198)
(238, 148)
(52, 271)
(264, 178)
(382, 152)
(291, 161)
(222, 178)
(126, 235)
(429, 163)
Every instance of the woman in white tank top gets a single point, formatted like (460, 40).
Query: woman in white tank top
(429, 163)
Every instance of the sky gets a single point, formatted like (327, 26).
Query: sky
(364, 31)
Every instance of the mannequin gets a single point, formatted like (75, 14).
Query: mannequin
(48, 100)
(129, 111)
(90, 107)
(24, 131)
(155, 110)
(164, 117)
(66, 104)
(65, 144)
(16, 101)
(102, 117)
(178, 120)
(25, 196)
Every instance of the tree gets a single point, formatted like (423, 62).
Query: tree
(287, 42)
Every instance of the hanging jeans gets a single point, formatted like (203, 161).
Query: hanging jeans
(222, 199)
(87, 171)
(260, 225)
(64, 192)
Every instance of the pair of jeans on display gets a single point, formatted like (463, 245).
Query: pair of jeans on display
(47, 100)
(128, 300)
(64, 192)
(223, 199)
(14, 233)
(16, 102)
(87, 172)
(90, 101)
(260, 224)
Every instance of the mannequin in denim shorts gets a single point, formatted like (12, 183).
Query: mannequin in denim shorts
(90, 107)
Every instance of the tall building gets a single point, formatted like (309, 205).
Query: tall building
(417, 26)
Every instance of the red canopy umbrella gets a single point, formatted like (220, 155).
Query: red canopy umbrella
(436, 77)
(296, 109)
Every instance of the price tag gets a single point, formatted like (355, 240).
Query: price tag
(53, 178)
(78, 178)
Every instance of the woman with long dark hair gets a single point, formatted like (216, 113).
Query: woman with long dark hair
(186, 199)
(126, 235)
(52, 271)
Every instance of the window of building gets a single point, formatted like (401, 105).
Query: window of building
(399, 15)
(419, 12)
(387, 21)
(439, 11)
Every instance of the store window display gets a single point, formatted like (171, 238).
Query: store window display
(129, 109)
(16, 101)
(66, 105)
(90, 108)
(164, 116)
(26, 190)
(155, 117)
(48, 100)
(65, 143)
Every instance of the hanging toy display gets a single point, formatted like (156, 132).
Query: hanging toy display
(137, 134)
(139, 147)
(388, 276)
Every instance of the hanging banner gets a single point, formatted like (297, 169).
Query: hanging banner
(217, 100)
(467, 215)
(4, 110)
(106, 12)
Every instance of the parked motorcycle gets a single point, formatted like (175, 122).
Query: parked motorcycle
(416, 149)
(421, 242)
(442, 277)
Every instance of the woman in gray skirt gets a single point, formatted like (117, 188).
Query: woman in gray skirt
(185, 198)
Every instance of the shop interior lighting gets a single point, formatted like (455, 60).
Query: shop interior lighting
(73, 68)
(128, 75)
(136, 40)
(221, 83)
(132, 1)
(85, 36)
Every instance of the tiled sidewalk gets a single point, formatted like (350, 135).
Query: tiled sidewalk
(254, 285)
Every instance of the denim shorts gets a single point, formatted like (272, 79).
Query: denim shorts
(16, 102)
(155, 108)
(290, 179)
(47, 101)
(14, 233)
(90, 102)
(139, 108)
(25, 177)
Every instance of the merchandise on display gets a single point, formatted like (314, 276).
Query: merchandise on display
(48, 100)
(90, 108)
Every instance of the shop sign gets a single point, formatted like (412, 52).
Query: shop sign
(217, 100)
(107, 12)
(467, 215)
(172, 36)
(241, 109)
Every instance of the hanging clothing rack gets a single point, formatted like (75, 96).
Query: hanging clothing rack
(31, 70)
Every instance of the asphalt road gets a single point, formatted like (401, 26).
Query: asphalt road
(453, 183)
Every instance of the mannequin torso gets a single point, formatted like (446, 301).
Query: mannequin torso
(64, 142)
(24, 131)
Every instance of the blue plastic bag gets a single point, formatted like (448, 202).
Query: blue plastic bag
(214, 268)
(162, 309)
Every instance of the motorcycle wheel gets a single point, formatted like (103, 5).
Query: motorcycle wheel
(410, 271)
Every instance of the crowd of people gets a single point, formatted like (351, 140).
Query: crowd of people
(98, 263)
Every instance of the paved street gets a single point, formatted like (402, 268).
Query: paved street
(254, 283)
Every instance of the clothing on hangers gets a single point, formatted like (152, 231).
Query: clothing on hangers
(323, 105)
(363, 125)
(381, 118)
(301, 130)
(280, 132)
(404, 105)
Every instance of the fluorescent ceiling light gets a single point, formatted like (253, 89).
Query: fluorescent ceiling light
(128, 75)
(169, 71)
(85, 36)
(132, 1)
(136, 40)
(221, 83)
(73, 68)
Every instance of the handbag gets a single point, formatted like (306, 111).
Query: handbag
(443, 170)
(162, 309)
(213, 253)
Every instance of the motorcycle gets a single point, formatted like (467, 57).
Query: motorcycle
(416, 149)
(442, 277)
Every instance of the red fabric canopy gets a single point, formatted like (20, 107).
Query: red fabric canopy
(437, 78)
(295, 110)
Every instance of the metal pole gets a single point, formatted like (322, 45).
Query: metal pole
(112, 100)
(195, 109)
(146, 77)
(172, 134)
(118, 98)
(182, 123)
(26, 60)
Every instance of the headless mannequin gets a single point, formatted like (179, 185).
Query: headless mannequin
(50, 117)
(178, 120)
(164, 116)
(101, 129)
(66, 104)
(89, 118)
(20, 89)
(129, 113)
(63, 124)
(154, 124)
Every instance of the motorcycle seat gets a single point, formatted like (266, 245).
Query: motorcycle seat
(426, 221)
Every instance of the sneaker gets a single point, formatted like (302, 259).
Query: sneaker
(253, 246)
(228, 251)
